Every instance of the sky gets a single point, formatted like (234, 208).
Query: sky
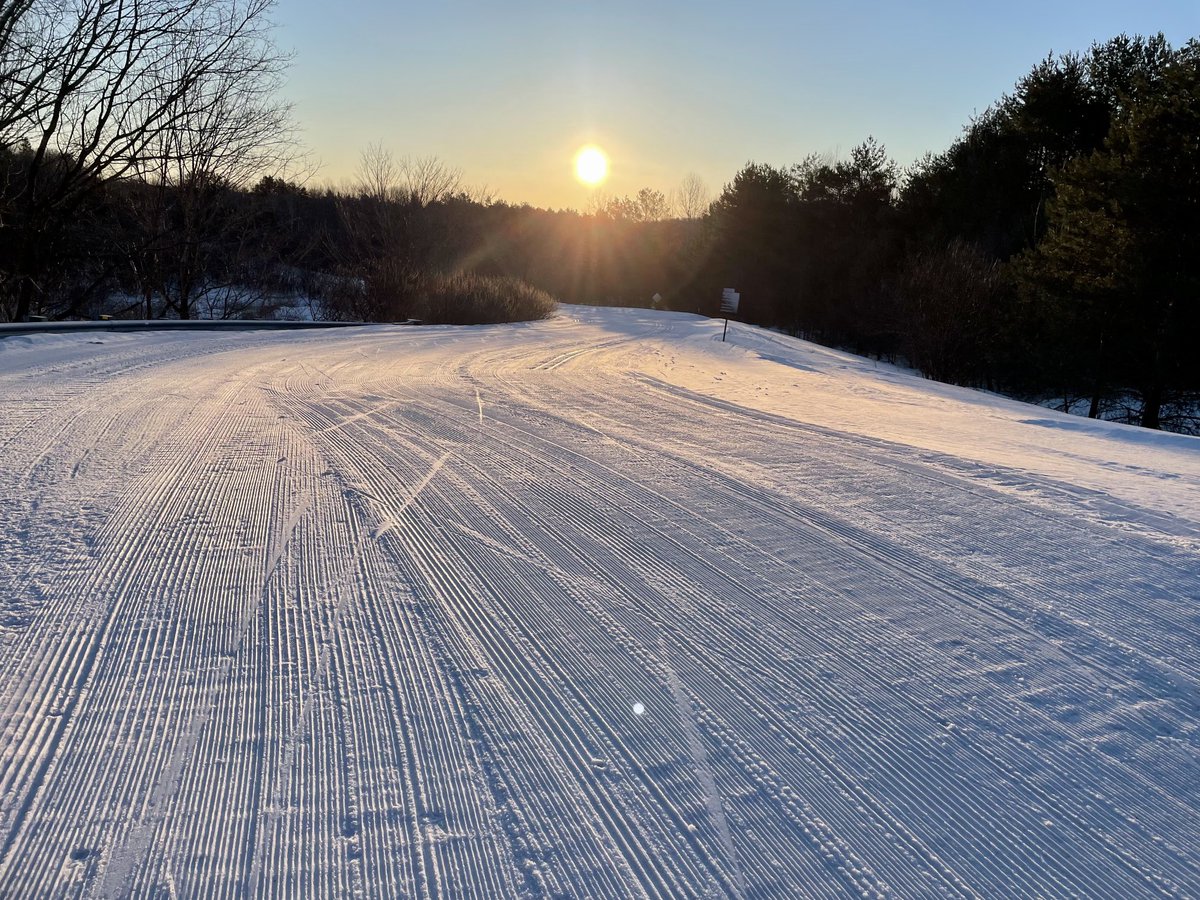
(508, 91)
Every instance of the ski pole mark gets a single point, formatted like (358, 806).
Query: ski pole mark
(708, 782)
(393, 519)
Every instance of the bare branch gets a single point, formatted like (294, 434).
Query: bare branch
(691, 199)
(428, 180)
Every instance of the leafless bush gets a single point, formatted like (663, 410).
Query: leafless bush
(465, 299)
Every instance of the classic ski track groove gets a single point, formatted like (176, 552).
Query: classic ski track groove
(366, 613)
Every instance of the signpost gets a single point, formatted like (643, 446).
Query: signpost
(729, 307)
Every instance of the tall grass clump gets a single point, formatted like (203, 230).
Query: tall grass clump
(466, 299)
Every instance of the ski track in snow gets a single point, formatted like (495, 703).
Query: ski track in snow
(289, 616)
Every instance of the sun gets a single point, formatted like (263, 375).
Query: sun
(591, 165)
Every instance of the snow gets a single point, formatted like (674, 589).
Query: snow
(591, 607)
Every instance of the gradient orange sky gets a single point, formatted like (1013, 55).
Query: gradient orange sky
(508, 92)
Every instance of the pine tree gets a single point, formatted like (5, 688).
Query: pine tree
(1120, 265)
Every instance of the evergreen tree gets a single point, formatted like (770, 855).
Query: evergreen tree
(755, 250)
(1120, 266)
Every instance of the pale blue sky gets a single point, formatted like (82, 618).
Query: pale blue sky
(507, 91)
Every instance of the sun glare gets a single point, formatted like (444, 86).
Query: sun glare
(591, 165)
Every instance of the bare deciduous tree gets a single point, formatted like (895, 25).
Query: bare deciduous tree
(379, 268)
(422, 179)
(28, 53)
(388, 230)
(378, 175)
(691, 199)
(428, 180)
(226, 129)
(598, 202)
(483, 194)
(99, 87)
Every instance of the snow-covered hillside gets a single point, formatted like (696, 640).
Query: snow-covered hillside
(591, 607)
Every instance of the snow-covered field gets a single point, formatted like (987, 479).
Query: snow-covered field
(591, 607)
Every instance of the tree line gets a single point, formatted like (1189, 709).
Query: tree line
(1052, 251)
(147, 168)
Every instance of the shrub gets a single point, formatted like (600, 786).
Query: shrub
(465, 299)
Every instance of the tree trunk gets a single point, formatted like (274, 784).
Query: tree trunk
(24, 299)
(1152, 399)
(25, 269)
(1097, 382)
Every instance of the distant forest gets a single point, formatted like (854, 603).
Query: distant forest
(1051, 252)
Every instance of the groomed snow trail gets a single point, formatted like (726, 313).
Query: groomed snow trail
(367, 613)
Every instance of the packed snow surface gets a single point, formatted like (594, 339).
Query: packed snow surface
(591, 607)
